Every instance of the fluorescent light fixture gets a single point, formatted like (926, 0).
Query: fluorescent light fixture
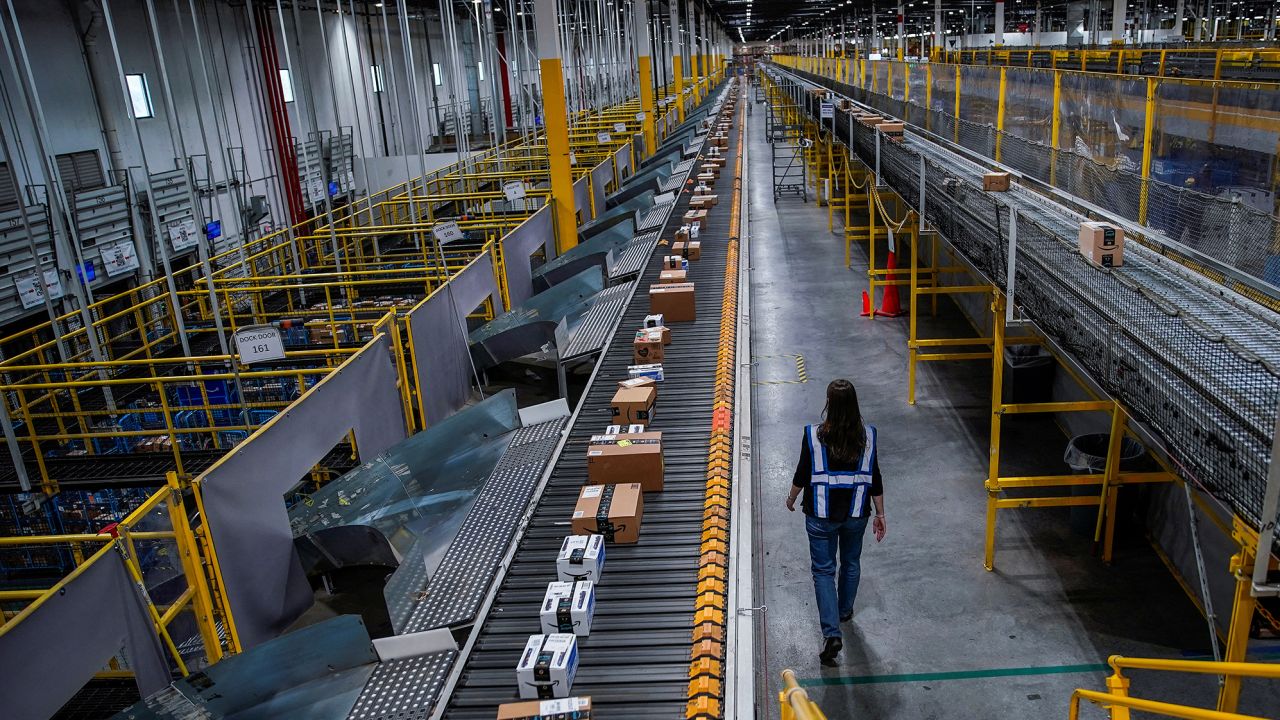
(435, 74)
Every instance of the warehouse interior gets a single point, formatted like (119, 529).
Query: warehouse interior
(446, 358)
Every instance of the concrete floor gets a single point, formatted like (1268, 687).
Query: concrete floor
(933, 634)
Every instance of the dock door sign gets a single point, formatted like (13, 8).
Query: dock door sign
(446, 232)
(828, 110)
(514, 190)
(259, 343)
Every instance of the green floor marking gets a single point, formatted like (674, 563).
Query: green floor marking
(958, 675)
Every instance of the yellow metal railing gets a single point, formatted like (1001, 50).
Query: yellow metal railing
(1118, 702)
(794, 701)
(153, 557)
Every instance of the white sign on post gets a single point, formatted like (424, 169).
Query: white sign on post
(604, 137)
(31, 291)
(620, 127)
(447, 232)
(514, 190)
(573, 158)
(120, 258)
(828, 111)
(259, 343)
(182, 234)
(640, 116)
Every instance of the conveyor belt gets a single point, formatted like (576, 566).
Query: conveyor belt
(1196, 363)
(635, 663)
(655, 217)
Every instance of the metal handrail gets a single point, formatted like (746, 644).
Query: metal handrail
(795, 702)
(1120, 706)
(1118, 702)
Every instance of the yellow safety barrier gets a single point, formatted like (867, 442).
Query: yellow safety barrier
(794, 701)
(1117, 700)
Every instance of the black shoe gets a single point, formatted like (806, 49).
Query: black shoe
(846, 618)
(830, 649)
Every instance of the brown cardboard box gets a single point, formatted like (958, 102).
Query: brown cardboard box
(996, 182)
(675, 302)
(700, 190)
(672, 262)
(647, 347)
(578, 708)
(634, 406)
(712, 168)
(690, 249)
(614, 511)
(718, 160)
(637, 382)
(893, 131)
(720, 141)
(682, 234)
(627, 458)
(1101, 244)
(702, 202)
(870, 120)
(694, 215)
(707, 178)
(667, 277)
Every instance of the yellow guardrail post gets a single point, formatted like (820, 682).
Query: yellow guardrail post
(193, 566)
(794, 702)
(1000, 106)
(1147, 138)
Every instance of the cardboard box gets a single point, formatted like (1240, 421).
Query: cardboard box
(682, 234)
(675, 301)
(626, 458)
(694, 216)
(718, 160)
(673, 262)
(893, 131)
(614, 511)
(700, 190)
(652, 371)
(581, 558)
(706, 177)
(635, 405)
(695, 227)
(710, 169)
(567, 607)
(690, 249)
(574, 708)
(547, 666)
(638, 381)
(702, 202)
(996, 182)
(624, 429)
(667, 277)
(647, 346)
(1101, 244)
(870, 120)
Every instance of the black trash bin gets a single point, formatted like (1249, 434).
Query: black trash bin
(1028, 374)
(1087, 455)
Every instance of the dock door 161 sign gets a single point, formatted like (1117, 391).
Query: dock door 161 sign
(259, 343)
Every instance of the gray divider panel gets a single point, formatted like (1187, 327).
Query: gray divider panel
(582, 198)
(518, 245)
(622, 160)
(442, 352)
(52, 653)
(243, 493)
(601, 176)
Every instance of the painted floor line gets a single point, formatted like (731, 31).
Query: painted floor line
(957, 675)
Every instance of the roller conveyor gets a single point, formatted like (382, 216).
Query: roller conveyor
(1193, 361)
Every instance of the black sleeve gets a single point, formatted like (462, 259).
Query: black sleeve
(802, 476)
(877, 486)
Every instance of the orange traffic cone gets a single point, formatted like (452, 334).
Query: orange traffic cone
(890, 305)
(866, 304)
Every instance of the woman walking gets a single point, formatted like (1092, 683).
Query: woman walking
(840, 477)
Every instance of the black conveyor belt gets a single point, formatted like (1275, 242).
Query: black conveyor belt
(635, 663)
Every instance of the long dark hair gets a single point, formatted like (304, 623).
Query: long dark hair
(841, 430)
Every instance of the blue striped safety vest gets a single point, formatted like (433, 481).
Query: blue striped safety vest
(822, 477)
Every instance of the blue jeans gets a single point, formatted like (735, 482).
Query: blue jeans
(825, 539)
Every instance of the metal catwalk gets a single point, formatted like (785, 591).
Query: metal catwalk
(1197, 364)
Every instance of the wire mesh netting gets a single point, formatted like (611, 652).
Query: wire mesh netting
(1199, 367)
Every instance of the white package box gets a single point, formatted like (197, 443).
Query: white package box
(653, 321)
(581, 558)
(568, 607)
(623, 429)
(547, 666)
(650, 370)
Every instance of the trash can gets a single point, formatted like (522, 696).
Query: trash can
(1087, 455)
(1028, 374)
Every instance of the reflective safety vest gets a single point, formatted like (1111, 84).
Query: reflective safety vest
(823, 478)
